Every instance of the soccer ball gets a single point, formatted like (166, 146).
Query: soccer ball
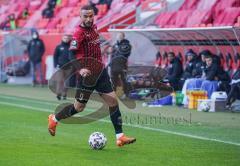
(204, 106)
(97, 141)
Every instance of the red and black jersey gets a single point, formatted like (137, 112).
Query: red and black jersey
(86, 45)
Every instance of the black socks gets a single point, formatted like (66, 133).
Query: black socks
(116, 118)
(66, 113)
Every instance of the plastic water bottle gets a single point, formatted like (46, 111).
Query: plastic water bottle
(144, 104)
(173, 98)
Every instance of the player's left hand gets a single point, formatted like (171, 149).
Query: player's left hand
(84, 72)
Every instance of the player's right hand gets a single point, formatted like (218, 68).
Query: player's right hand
(84, 72)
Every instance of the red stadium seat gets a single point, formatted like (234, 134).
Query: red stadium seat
(21, 23)
(189, 5)
(228, 16)
(53, 23)
(64, 3)
(42, 23)
(34, 5)
(102, 9)
(73, 3)
(165, 19)
(206, 4)
(209, 25)
(181, 17)
(198, 17)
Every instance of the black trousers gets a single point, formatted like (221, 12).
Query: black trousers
(117, 77)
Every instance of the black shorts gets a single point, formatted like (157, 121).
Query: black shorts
(102, 85)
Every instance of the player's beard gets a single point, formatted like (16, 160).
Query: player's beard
(88, 24)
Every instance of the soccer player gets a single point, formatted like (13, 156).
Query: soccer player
(85, 45)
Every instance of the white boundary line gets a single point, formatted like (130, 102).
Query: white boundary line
(30, 100)
(136, 126)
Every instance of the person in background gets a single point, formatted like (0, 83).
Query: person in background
(52, 3)
(123, 46)
(190, 64)
(36, 50)
(25, 13)
(200, 64)
(119, 63)
(12, 22)
(174, 72)
(214, 76)
(214, 71)
(61, 58)
(48, 12)
(235, 89)
(210, 73)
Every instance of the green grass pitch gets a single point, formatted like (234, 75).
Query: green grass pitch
(181, 137)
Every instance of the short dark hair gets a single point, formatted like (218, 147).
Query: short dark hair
(206, 53)
(208, 56)
(87, 7)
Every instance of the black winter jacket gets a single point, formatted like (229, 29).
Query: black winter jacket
(61, 54)
(123, 48)
(35, 50)
(175, 70)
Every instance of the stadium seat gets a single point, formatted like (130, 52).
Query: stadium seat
(166, 18)
(64, 3)
(198, 17)
(42, 23)
(181, 17)
(209, 25)
(21, 23)
(73, 3)
(102, 10)
(53, 23)
(228, 16)
(34, 5)
(222, 4)
(206, 4)
(189, 5)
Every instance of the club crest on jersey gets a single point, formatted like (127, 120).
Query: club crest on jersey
(74, 44)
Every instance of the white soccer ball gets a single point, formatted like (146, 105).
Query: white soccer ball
(204, 106)
(97, 140)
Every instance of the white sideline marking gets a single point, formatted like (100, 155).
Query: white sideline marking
(30, 100)
(26, 106)
(136, 126)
